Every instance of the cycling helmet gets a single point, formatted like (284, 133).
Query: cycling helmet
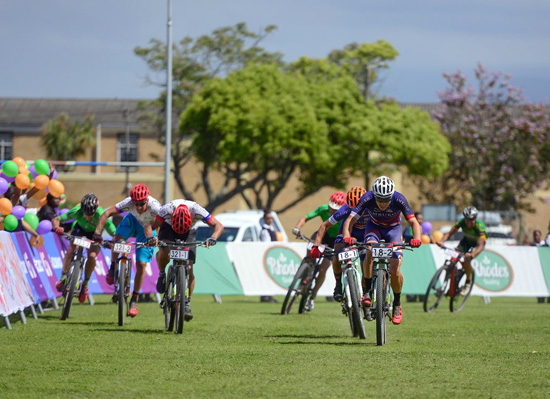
(139, 193)
(383, 187)
(336, 200)
(354, 194)
(470, 212)
(181, 220)
(89, 204)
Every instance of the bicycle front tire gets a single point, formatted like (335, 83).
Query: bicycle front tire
(294, 288)
(355, 307)
(73, 277)
(436, 289)
(458, 301)
(181, 284)
(307, 290)
(381, 306)
(121, 274)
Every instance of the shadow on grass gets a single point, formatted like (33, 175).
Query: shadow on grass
(132, 330)
(303, 336)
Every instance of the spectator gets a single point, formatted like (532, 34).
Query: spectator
(268, 233)
(538, 242)
(48, 211)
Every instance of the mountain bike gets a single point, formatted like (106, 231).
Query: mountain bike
(304, 279)
(352, 291)
(122, 276)
(74, 275)
(380, 309)
(449, 280)
(176, 291)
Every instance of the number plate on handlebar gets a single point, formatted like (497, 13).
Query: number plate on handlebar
(82, 243)
(348, 254)
(122, 248)
(381, 252)
(452, 253)
(309, 245)
(179, 254)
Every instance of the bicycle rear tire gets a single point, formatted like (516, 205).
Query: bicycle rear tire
(181, 284)
(355, 304)
(381, 306)
(294, 288)
(121, 277)
(458, 301)
(73, 278)
(307, 290)
(169, 306)
(436, 289)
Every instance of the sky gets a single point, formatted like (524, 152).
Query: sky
(85, 49)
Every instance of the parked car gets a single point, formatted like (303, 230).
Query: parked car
(496, 235)
(240, 226)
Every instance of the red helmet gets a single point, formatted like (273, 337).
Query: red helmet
(354, 194)
(181, 219)
(336, 200)
(139, 193)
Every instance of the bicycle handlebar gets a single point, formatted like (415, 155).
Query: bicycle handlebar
(179, 243)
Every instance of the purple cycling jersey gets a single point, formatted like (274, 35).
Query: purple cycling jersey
(358, 230)
(388, 218)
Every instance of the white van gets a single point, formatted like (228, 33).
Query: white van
(241, 226)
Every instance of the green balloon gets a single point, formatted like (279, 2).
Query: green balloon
(31, 219)
(41, 167)
(10, 223)
(10, 169)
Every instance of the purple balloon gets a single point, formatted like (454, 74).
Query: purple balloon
(4, 185)
(54, 176)
(426, 227)
(33, 171)
(7, 178)
(18, 211)
(62, 211)
(44, 227)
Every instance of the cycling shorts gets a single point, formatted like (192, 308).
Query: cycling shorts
(376, 233)
(130, 227)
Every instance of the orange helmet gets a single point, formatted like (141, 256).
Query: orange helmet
(354, 194)
(181, 219)
(336, 200)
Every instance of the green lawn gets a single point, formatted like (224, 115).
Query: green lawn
(245, 349)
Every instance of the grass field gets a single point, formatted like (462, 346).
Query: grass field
(245, 349)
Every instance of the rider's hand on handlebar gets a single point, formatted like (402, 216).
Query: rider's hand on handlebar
(59, 231)
(315, 253)
(97, 238)
(415, 243)
(151, 241)
(349, 240)
(210, 242)
(296, 231)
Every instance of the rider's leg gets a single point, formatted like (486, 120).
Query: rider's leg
(191, 279)
(396, 279)
(90, 263)
(67, 259)
(467, 264)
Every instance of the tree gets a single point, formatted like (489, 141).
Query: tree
(195, 62)
(500, 143)
(66, 140)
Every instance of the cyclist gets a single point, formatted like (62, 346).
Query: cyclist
(352, 198)
(86, 216)
(475, 237)
(175, 219)
(324, 211)
(384, 206)
(142, 209)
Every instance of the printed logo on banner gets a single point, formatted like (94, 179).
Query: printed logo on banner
(281, 264)
(493, 272)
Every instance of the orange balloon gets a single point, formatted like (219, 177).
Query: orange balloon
(5, 206)
(41, 181)
(24, 170)
(39, 194)
(56, 188)
(20, 162)
(437, 235)
(42, 202)
(425, 239)
(22, 181)
(36, 243)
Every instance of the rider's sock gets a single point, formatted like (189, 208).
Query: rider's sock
(367, 284)
(188, 299)
(85, 283)
(396, 299)
(135, 296)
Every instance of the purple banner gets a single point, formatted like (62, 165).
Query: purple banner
(27, 257)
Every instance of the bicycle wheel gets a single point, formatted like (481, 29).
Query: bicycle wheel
(72, 280)
(169, 307)
(355, 308)
(294, 288)
(307, 289)
(181, 284)
(380, 306)
(459, 299)
(121, 274)
(436, 289)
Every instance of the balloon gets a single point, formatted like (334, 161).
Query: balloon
(5, 206)
(54, 175)
(24, 171)
(38, 244)
(62, 211)
(10, 223)
(437, 235)
(42, 167)
(22, 181)
(33, 171)
(425, 239)
(45, 226)
(4, 185)
(10, 169)
(39, 195)
(31, 219)
(42, 202)
(426, 227)
(41, 181)
(18, 211)
(20, 162)
(56, 188)
(6, 178)
(63, 199)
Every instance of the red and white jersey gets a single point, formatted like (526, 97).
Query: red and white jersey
(197, 212)
(153, 208)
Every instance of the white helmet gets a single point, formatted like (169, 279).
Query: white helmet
(383, 187)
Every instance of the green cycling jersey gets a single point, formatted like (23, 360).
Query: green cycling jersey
(472, 234)
(88, 226)
(324, 213)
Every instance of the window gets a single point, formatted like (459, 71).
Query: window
(6, 146)
(248, 234)
(127, 149)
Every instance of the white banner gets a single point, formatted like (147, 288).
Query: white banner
(267, 268)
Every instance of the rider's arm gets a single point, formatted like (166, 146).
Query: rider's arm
(30, 230)
(155, 224)
(348, 225)
(218, 227)
(446, 236)
(321, 232)
(479, 246)
(104, 218)
(417, 230)
(300, 223)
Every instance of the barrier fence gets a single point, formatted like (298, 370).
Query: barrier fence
(28, 274)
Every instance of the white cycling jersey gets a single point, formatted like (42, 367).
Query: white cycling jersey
(153, 208)
(197, 212)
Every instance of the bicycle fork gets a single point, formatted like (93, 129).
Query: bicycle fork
(346, 306)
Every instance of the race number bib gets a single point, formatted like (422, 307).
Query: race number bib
(348, 254)
(81, 242)
(382, 252)
(179, 254)
(122, 248)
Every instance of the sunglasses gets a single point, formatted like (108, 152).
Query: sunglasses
(383, 201)
(140, 203)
